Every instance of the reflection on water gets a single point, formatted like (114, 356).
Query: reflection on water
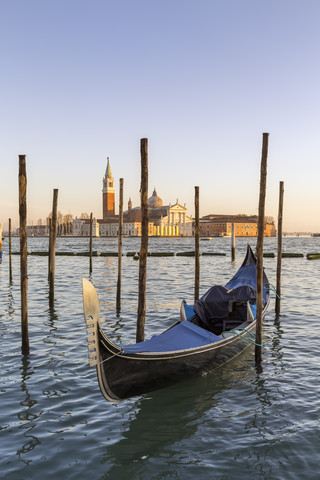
(276, 349)
(175, 409)
(27, 415)
(235, 422)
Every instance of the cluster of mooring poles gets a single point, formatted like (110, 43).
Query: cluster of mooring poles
(144, 247)
(259, 251)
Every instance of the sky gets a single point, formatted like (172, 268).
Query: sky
(83, 80)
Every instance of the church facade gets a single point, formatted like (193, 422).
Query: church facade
(167, 220)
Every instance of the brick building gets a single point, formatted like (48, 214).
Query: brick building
(244, 225)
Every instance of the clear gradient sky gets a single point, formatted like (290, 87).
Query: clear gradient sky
(201, 79)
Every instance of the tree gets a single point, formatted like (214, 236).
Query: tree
(84, 216)
(269, 220)
(59, 218)
(68, 218)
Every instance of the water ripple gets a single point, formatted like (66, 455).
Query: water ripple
(235, 422)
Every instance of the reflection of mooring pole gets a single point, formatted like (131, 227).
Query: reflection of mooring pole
(279, 254)
(10, 253)
(233, 243)
(23, 253)
(262, 198)
(120, 235)
(144, 240)
(196, 242)
(52, 248)
(90, 247)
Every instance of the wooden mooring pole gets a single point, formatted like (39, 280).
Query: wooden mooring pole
(144, 240)
(196, 244)
(49, 248)
(262, 199)
(52, 247)
(120, 236)
(23, 253)
(10, 253)
(90, 247)
(233, 243)
(279, 253)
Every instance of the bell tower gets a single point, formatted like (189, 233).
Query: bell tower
(108, 193)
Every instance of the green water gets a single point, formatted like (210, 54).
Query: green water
(235, 423)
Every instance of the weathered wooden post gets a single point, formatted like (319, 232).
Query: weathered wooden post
(144, 240)
(262, 198)
(279, 253)
(120, 235)
(49, 248)
(52, 248)
(10, 253)
(233, 243)
(90, 248)
(196, 242)
(23, 253)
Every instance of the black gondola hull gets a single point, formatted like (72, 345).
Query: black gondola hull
(122, 376)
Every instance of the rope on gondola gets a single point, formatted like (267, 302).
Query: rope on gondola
(271, 287)
(241, 336)
(115, 355)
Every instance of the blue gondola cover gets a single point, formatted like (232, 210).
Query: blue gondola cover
(246, 275)
(180, 337)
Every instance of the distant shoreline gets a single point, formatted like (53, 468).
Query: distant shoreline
(175, 237)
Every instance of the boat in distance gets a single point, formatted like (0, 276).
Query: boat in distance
(218, 327)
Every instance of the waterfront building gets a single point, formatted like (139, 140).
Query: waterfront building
(81, 227)
(130, 229)
(77, 226)
(244, 226)
(37, 230)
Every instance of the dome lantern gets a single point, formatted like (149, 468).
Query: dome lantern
(155, 201)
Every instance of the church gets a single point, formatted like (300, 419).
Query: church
(164, 220)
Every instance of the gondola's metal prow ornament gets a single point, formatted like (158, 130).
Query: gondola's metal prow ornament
(92, 318)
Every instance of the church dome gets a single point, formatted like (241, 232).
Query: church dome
(155, 201)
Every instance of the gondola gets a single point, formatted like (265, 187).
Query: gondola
(218, 327)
